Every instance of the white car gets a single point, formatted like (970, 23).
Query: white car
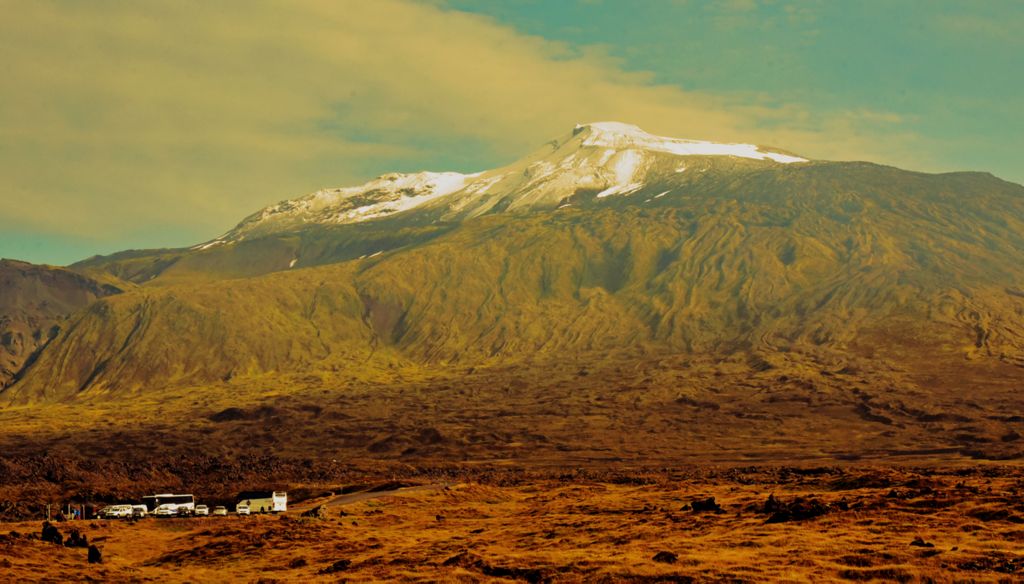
(166, 510)
(117, 511)
(241, 510)
(201, 510)
(220, 510)
(139, 511)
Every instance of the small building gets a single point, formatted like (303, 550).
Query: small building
(264, 501)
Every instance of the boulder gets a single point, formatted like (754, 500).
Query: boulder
(665, 557)
(76, 539)
(51, 534)
(339, 566)
(318, 512)
(799, 509)
(708, 505)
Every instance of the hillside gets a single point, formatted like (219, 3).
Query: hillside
(708, 254)
(601, 165)
(34, 302)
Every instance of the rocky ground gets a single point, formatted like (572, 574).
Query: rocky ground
(723, 524)
(676, 470)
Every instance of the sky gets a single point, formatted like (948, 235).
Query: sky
(129, 125)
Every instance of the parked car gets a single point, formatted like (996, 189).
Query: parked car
(202, 510)
(166, 510)
(220, 510)
(241, 510)
(139, 511)
(117, 512)
(184, 511)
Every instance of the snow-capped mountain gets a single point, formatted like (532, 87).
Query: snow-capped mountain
(604, 241)
(381, 197)
(595, 161)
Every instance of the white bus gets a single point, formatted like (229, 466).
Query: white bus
(169, 504)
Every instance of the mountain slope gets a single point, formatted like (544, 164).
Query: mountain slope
(600, 159)
(34, 301)
(594, 166)
(733, 256)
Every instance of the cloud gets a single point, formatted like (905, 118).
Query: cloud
(1004, 28)
(121, 119)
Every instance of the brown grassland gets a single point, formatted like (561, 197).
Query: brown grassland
(578, 473)
(903, 525)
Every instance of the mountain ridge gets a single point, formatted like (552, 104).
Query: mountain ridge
(607, 156)
(733, 255)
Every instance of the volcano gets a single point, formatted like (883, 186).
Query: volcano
(605, 248)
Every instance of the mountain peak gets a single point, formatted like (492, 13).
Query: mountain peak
(618, 135)
(596, 160)
(609, 127)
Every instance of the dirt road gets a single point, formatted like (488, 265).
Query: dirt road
(349, 498)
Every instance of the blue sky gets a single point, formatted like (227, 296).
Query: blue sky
(134, 125)
(950, 71)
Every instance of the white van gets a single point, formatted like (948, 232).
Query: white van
(117, 512)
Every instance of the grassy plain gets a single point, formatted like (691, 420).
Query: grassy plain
(558, 473)
(970, 522)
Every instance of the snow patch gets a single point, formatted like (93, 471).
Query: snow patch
(208, 245)
(539, 170)
(400, 192)
(292, 263)
(660, 195)
(626, 189)
(625, 165)
(481, 187)
(386, 195)
(616, 135)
